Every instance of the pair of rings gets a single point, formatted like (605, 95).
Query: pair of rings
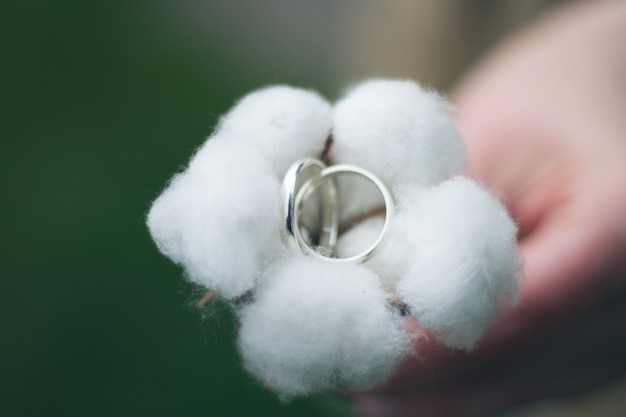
(319, 238)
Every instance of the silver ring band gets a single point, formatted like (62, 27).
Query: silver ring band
(325, 177)
(297, 174)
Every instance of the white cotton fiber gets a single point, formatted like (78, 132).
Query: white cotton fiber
(399, 131)
(284, 123)
(360, 236)
(318, 326)
(219, 219)
(358, 197)
(463, 263)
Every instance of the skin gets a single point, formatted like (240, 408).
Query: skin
(544, 120)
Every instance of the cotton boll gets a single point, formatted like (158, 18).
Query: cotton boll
(399, 131)
(284, 123)
(220, 218)
(319, 326)
(464, 261)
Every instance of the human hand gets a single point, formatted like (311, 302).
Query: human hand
(544, 123)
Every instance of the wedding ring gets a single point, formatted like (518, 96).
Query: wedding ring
(326, 216)
(302, 181)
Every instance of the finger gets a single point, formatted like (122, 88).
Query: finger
(555, 361)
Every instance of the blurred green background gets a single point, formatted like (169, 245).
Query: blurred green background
(100, 103)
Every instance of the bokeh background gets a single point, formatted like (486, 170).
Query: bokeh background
(100, 103)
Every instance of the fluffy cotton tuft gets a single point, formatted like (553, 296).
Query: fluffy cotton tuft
(463, 263)
(219, 219)
(284, 123)
(320, 326)
(399, 131)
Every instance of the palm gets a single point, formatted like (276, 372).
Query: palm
(544, 126)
